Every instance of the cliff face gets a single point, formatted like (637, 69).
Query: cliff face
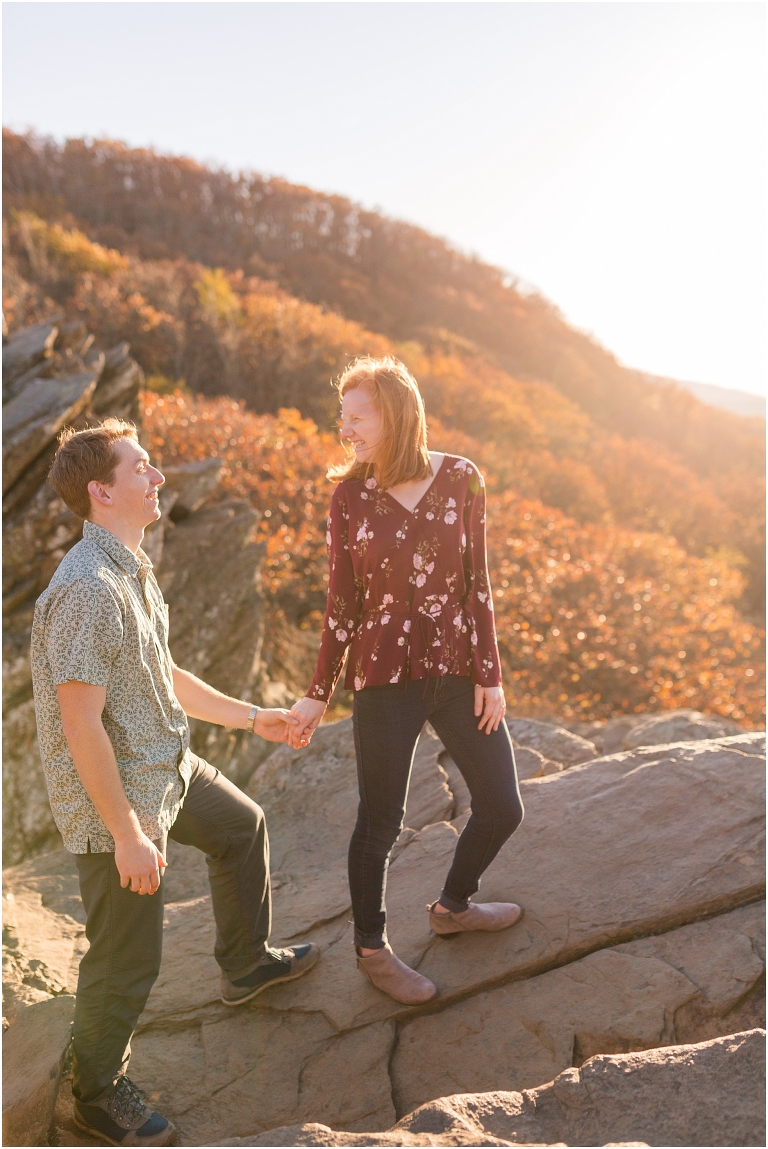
(53, 376)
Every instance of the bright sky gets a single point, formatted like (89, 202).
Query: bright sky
(610, 154)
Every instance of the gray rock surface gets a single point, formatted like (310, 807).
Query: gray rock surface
(33, 1052)
(678, 987)
(192, 483)
(25, 349)
(631, 869)
(710, 1094)
(33, 418)
(210, 577)
(552, 742)
(677, 726)
(653, 729)
(707, 1094)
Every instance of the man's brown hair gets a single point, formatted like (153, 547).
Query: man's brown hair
(83, 456)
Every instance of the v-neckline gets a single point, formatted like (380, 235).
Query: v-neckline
(416, 506)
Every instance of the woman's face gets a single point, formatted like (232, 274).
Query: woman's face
(361, 424)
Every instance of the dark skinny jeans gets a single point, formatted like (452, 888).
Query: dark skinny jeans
(387, 723)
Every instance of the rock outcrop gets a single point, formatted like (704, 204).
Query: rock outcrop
(711, 1093)
(632, 730)
(33, 1053)
(206, 562)
(52, 376)
(641, 875)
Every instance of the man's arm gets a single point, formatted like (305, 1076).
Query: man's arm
(136, 857)
(199, 700)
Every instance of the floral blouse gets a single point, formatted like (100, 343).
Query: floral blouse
(409, 590)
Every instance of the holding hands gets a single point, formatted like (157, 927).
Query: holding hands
(490, 708)
(275, 725)
(308, 712)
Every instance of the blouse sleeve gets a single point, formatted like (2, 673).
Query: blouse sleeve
(342, 615)
(478, 604)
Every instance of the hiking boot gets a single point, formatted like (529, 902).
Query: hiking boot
(488, 916)
(122, 1117)
(274, 967)
(392, 976)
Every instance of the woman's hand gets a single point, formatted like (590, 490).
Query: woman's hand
(309, 712)
(492, 705)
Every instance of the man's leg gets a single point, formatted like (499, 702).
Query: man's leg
(230, 828)
(125, 931)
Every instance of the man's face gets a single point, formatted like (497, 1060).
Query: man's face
(134, 494)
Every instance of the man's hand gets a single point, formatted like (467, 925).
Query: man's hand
(138, 862)
(491, 704)
(309, 712)
(274, 725)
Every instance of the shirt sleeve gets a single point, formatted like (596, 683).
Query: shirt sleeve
(84, 633)
(342, 615)
(478, 604)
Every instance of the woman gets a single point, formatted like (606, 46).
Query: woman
(409, 591)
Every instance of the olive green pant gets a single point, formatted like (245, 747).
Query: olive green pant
(125, 930)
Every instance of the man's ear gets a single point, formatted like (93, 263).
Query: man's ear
(99, 493)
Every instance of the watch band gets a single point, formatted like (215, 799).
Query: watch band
(251, 719)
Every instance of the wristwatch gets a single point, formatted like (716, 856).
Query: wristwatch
(251, 719)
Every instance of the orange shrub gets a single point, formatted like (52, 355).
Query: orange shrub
(593, 620)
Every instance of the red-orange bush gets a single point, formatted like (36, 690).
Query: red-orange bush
(593, 620)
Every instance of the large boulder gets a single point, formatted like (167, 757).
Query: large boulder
(210, 577)
(27, 348)
(712, 1093)
(552, 742)
(632, 730)
(639, 874)
(635, 875)
(677, 726)
(707, 1094)
(618, 848)
(33, 418)
(33, 1052)
(192, 483)
(677, 987)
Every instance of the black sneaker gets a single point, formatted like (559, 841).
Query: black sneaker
(274, 967)
(122, 1117)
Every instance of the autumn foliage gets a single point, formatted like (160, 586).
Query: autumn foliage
(626, 519)
(593, 620)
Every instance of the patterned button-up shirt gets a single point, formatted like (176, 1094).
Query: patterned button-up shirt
(102, 620)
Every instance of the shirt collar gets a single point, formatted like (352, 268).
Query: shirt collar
(117, 551)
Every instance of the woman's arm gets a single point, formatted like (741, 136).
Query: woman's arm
(478, 604)
(342, 617)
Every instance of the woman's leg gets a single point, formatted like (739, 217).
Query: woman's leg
(487, 763)
(387, 722)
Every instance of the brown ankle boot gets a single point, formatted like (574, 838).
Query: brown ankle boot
(490, 916)
(384, 970)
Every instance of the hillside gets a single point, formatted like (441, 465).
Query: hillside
(242, 298)
(388, 275)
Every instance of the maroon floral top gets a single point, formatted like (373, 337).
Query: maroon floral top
(408, 590)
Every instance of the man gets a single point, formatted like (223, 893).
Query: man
(112, 714)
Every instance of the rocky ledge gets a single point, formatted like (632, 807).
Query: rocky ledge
(641, 874)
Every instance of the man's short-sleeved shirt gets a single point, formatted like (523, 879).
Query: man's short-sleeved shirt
(103, 620)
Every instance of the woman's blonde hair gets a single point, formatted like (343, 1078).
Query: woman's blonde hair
(402, 453)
